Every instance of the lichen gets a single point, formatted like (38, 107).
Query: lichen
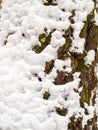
(44, 40)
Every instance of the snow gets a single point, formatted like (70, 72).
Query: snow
(90, 57)
(59, 65)
(96, 18)
(57, 39)
(22, 106)
(78, 45)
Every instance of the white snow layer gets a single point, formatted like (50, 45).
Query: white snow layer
(22, 106)
(90, 57)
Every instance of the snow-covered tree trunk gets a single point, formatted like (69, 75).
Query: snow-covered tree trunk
(84, 62)
(56, 53)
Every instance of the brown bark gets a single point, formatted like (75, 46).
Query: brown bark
(88, 76)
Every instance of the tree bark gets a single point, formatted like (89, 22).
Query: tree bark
(88, 75)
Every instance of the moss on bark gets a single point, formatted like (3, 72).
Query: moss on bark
(89, 83)
(88, 77)
(75, 124)
(46, 95)
(62, 51)
(49, 66)
(44, 41)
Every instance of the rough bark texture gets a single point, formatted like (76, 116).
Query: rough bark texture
(87, 76)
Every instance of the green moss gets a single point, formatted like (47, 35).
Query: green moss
(65, 48)
(83, 32)
(89, 80)
(90, 16)
(48, 67)
(37, 49)
(81, 65)
(89, 32)
(92, 37)
(44, 40)
(46, 95)
(84, 97)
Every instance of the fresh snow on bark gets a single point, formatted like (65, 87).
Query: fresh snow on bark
(23, 80)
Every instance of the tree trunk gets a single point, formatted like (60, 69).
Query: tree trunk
(88, 76)
(87, 73)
